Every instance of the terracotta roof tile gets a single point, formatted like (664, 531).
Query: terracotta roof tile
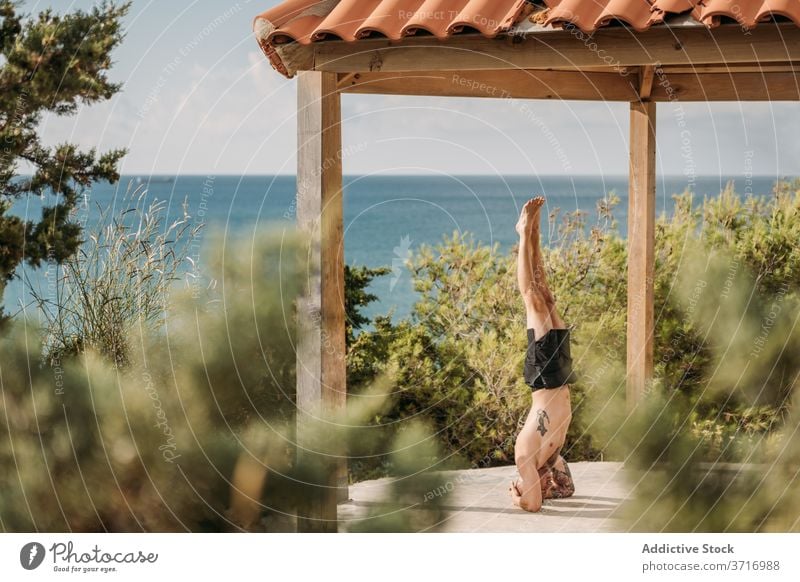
(675, 6)
(710, 12)
(306, 21)
(389, 18)
(589, 15)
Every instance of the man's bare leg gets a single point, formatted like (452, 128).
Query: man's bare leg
(540, 305)
(539, 443)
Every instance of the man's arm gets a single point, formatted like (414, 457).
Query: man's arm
(530, 498)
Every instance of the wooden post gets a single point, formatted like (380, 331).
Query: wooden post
(321, 372)
(641, 251)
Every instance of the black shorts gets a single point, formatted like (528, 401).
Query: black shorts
(548, 363)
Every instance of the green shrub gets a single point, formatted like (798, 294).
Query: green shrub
(196, 432)
(753, 370)
(87, 445)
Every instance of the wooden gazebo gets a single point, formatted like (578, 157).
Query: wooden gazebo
(639, 51)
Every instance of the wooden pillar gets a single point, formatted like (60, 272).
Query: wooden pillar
(641, 251)
(321, 372)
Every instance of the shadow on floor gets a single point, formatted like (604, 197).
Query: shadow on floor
(552, 508)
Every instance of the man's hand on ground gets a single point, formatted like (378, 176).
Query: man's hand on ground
(516, 494)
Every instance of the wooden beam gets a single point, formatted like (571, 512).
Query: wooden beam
(569, 48)
(518, 84)
(646, 75)
(734, 68)
(321, 378)
(641, 253)
(344, 79)
(580, 85)
(697, 69)
(725, 87)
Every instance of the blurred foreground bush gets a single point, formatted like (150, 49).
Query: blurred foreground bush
(679, 477)
(193, 430)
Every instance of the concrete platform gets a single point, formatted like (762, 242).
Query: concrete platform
(477, 500)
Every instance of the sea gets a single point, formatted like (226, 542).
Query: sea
(386, 217)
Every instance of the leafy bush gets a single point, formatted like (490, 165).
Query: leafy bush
(753, 344)
(91, 446)
(196, 432)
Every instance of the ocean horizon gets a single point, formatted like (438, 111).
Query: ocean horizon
(386, 217)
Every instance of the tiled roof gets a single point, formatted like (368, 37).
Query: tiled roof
(307, 21)
(590, 15)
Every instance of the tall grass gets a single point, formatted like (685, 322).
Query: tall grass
(119, 278)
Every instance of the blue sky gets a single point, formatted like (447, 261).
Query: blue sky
(200, 98)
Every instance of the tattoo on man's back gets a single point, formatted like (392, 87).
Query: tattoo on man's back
(541, 419)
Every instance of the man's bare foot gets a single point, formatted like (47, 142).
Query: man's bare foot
(528, 222)
(522, 222)
(535, 211)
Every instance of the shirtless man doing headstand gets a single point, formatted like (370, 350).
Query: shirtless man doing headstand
(548, 370)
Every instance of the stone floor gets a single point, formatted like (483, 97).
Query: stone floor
(478, 501)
